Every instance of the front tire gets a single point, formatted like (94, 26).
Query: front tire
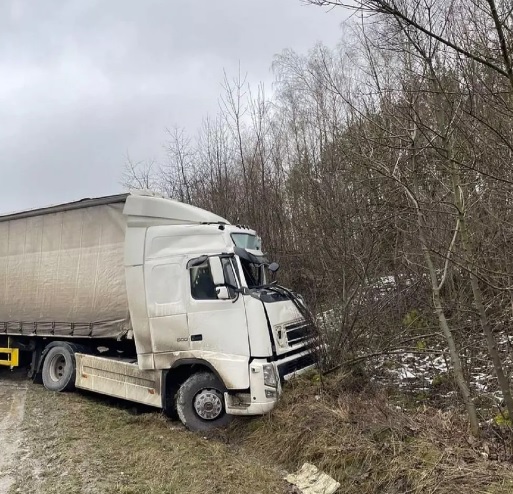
(59, 369)
(200, 403)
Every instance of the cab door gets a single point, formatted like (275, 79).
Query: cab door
(215, 325)
(167, 319)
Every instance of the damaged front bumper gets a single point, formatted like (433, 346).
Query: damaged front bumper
(262, 398)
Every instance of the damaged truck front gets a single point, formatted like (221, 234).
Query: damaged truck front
(150, 300)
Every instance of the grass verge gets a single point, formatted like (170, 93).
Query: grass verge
(81, 443)
(88, 444)
(372, 446)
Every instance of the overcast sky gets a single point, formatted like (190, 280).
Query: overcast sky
(84, 82)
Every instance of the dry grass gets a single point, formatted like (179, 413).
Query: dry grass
(87, 444)
(370, 446)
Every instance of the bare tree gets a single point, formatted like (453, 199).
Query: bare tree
(380, 172)
(433, 17)
(139, 175)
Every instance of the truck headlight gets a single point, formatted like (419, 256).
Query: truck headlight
(270, 375)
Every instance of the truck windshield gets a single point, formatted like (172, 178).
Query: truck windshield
(247, 241)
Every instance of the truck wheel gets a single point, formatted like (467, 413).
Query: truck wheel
(59, 369)
(200, 403)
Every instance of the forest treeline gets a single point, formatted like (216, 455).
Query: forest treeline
(379, 174)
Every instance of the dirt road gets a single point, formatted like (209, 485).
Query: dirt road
(13, 390)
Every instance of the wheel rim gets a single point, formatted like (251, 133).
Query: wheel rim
(208, 404)
(57, 367)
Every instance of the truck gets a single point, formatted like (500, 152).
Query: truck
(147, 299)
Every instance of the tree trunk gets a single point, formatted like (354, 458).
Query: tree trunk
(478, 296)
(444, 326)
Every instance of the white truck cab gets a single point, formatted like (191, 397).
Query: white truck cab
(212, 337)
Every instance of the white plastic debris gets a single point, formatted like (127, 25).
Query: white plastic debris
(310, 480)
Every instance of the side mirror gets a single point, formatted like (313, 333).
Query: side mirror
(223, 293)
(216, 268)
(273, 267)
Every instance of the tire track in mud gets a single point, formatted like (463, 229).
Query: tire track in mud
(13, 390)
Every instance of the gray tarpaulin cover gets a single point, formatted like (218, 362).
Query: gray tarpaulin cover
(62, 274)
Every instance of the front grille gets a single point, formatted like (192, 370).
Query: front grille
(297, 332)
(296, 365)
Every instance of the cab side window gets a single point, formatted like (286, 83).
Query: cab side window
(202, 284)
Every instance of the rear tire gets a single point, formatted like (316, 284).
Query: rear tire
(59, 368)
(200, 403)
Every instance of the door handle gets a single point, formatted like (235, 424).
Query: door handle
(196, 337)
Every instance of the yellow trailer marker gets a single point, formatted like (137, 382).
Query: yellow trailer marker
(13, 356)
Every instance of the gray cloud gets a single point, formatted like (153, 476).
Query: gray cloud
(84, 82)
